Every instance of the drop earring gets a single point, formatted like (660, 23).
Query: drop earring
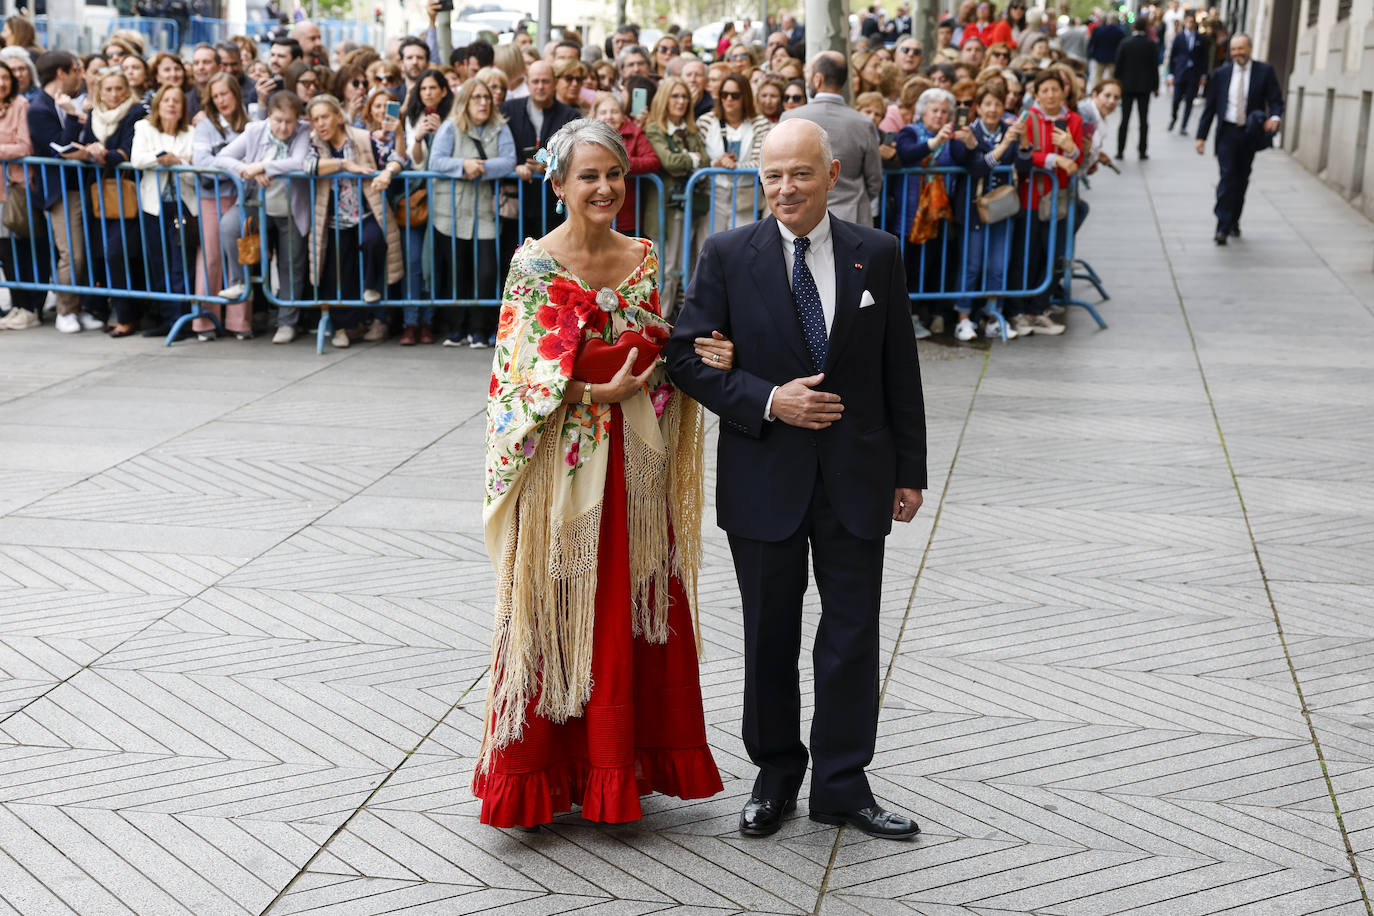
(559, 208)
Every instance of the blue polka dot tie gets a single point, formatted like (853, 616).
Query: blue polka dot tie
(808, 302)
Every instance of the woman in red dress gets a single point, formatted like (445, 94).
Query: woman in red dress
(592, 518)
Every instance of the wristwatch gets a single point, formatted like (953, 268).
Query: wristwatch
(587, 394)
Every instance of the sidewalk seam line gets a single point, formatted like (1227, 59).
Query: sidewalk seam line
(1259, 562)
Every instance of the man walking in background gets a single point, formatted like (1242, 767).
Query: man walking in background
(1137, 69)
(1245, 98)
(1187, 69)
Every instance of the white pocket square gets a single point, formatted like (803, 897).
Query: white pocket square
(866, 300)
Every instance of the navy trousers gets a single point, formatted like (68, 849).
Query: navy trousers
(1185, 90)
(1235, 157)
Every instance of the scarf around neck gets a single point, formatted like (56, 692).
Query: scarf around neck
(105, 121)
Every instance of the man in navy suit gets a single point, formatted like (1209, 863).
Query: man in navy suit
(1245, 98)
(822, 447)
(1187, 69)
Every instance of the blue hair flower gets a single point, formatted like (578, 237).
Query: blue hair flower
(549, 160)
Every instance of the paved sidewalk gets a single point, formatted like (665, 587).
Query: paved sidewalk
(244, 617)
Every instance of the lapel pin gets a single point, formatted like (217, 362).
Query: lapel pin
(858, 267)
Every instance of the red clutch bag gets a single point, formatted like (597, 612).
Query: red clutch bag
(597, 361)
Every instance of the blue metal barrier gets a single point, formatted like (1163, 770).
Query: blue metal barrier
(466, 253)
(937, 270)
(207, 30)
(110, 245)
(162, 34)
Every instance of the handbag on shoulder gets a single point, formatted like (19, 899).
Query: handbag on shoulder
(16, 213)
(115, 198)
(250, 245)
(1001, 203)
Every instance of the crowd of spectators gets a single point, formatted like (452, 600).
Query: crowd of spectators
(1014, 88)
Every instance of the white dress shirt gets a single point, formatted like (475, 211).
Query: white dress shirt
(820, 260)
(1236, 94)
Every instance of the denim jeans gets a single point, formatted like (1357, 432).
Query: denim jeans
(994, 238)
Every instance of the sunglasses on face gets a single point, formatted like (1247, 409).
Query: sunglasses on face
(730, 94)
(311, 83)
(916, 51)
(793, 97)
(738, 57)
(667, 49)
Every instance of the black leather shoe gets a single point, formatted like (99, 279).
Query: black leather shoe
(873, 821)
(763, 816)
(1144, 156)
(1235, 231)
(1171, 125)
(1220, 237)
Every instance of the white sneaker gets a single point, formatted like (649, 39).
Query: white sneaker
(205, 336)
(992, 330)
(1043, 324)
(285, 334)
(371, 295)
(965, 330)
(68, 324)
(89, 322)
(1021, 324)
(340, 339)
(233, 292)
(920, 330)
(937, 324)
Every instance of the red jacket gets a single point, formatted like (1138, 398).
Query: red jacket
(989, 34)
(1038, 139)
(643, 161)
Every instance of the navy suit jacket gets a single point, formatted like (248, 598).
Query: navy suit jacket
(766, 470)
(45, 129)
(1263, 95)
(1183, 62)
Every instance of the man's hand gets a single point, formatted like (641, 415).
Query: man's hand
(796, 404)
(1271, 125)
(432, 9)
(265, 87)
(524, 172)
(905, 502)
(1201, 147)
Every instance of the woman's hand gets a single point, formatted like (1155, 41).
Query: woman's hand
(473, 169)
(965, 136)
(1064, 140)
(887, 150)
(625, 384)
(170, 159)
(97, 152)
(253, 170)
(199, 116)
(716, 351)
(382, 181)
(429, 124)
(1068, 165)
(357, 168)
(943, 134)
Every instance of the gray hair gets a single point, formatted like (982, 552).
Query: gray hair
(21, 55)
(579, 133)
(626, 51)
(933, 95)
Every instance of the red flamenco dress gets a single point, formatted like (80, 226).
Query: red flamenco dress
(642, 730)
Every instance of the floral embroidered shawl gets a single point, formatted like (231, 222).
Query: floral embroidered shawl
(546, 466)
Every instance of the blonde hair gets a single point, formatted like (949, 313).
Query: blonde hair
(658, 109)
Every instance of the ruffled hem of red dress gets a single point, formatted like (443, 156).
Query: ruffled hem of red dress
(607, 795)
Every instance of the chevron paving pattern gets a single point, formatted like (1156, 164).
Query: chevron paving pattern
(245, 616)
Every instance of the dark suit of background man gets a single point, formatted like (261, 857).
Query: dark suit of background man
(1187, 69)
(1245, 98)
(1137, 68)
(533, 120)
(822, 447)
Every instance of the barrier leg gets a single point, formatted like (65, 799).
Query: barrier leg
(1091, 276)
(993, 309)
(323, 333)
(197, 311)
